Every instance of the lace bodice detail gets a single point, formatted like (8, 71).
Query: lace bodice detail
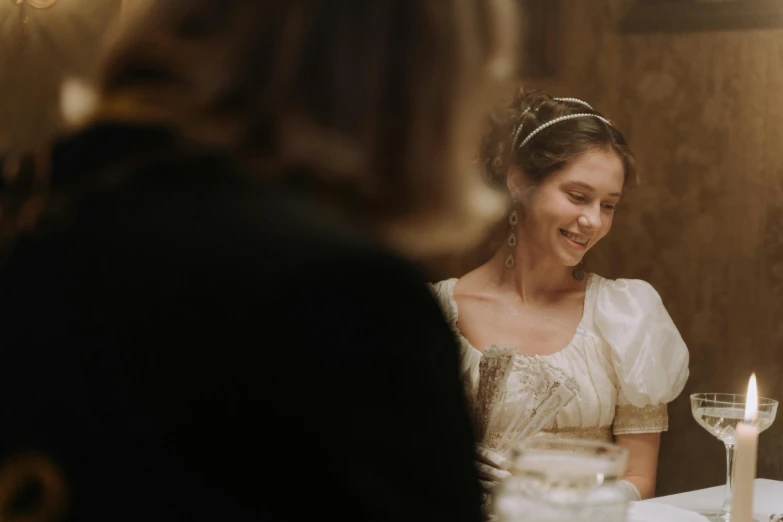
(626, 360)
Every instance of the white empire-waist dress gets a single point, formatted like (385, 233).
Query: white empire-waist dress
(625, 362)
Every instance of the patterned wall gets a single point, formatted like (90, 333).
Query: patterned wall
(704, 112)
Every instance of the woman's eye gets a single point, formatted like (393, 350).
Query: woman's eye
(607, 207)
(577, 197)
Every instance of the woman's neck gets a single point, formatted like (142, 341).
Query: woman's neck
(535, 278)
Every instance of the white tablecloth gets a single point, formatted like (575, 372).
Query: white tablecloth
(767, 499)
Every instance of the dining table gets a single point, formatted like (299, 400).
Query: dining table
(686, 507)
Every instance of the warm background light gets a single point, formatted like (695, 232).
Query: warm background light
(43, 43)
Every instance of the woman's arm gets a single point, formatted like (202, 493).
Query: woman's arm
(642, 460)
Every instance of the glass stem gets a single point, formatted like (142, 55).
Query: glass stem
(726, 509)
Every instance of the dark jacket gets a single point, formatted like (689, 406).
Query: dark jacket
(189, 343)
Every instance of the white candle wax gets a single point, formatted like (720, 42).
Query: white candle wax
(745, 460)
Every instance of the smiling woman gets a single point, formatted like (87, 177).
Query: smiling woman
(578, 201)
(565, 167)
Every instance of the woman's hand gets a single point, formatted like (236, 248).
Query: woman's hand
(492, 468)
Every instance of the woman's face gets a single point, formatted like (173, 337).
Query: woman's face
(572, 209)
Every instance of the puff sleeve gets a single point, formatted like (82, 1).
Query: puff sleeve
(648, 354)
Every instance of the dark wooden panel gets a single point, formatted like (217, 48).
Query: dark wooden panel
(645, 16)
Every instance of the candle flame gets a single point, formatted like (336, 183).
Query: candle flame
(752, 401)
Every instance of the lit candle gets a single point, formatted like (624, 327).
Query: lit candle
(745, 460)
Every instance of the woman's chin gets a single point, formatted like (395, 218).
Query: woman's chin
(571, 261)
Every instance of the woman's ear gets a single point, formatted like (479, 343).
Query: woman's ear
(517, 184)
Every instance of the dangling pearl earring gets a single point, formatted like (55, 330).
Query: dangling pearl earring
(578, 272)
(511, 241)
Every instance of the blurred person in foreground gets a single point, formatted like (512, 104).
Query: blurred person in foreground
(193, 324)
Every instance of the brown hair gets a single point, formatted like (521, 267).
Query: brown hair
(365, 105)
(554, 147)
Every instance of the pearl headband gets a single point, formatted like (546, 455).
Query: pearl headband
(555, 121)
